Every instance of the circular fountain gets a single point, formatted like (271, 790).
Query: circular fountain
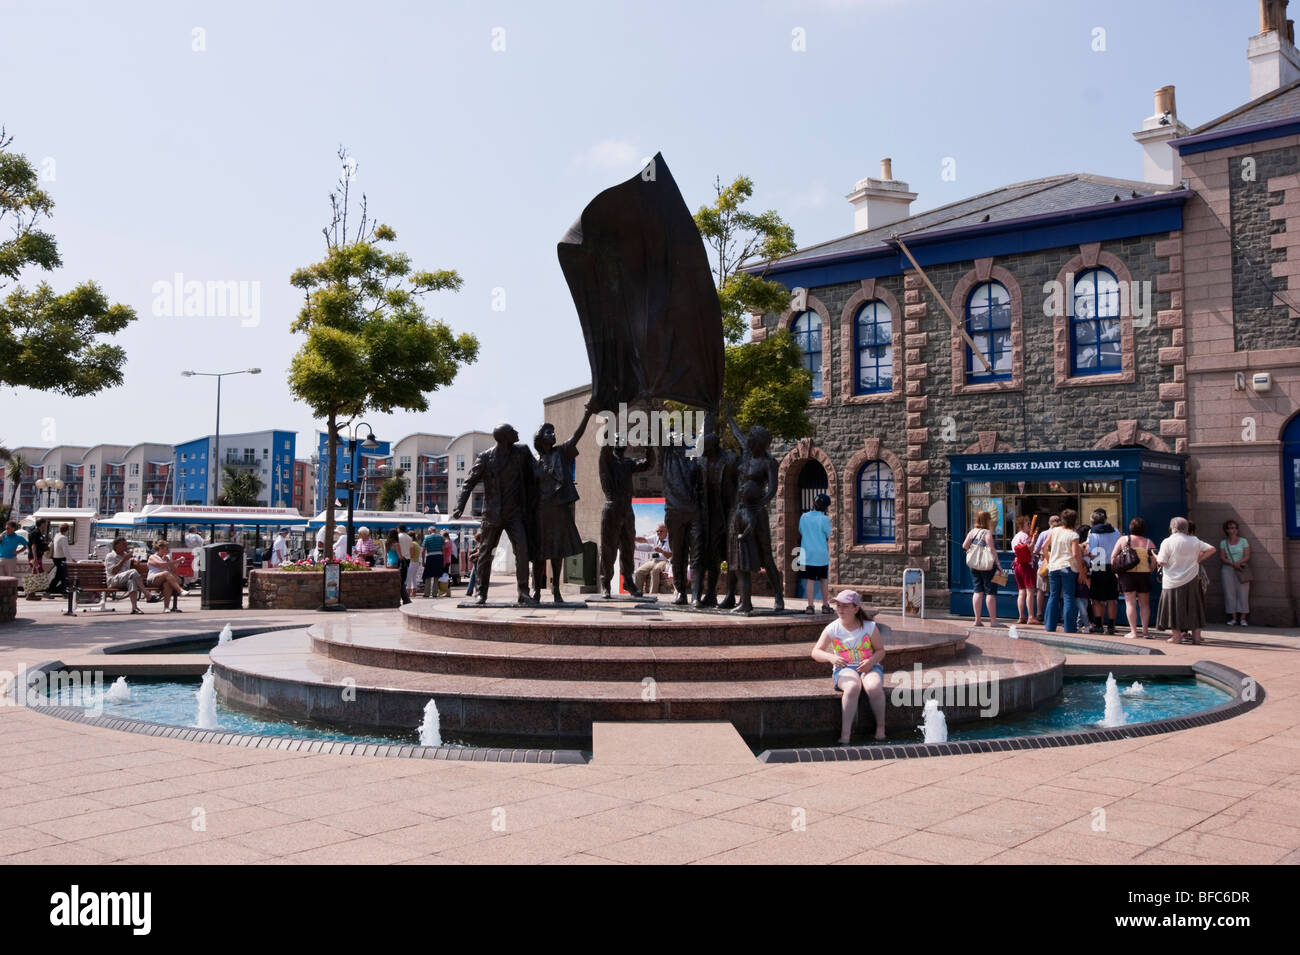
(544, 675)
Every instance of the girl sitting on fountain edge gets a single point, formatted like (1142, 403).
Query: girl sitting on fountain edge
(853, 647)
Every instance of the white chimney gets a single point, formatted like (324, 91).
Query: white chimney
(1160, 163)
(878, 202)
(1274, 61)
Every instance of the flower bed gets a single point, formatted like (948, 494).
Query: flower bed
(293, 589)
(308, 565)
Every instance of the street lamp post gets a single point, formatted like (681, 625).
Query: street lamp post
(51, 487)
(369, 444)
(214, 462)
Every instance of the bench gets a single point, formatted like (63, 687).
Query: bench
(91, 577)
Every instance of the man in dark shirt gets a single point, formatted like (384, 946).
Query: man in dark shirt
(617, 522)
(509, 499)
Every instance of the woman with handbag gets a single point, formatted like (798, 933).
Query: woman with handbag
(1064, 562)
(1182, 598)
(1133, 564)
(1022, 546)
(982, 559)
(1234, 551)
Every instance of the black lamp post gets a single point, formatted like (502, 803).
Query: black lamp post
(369, 444)
(214, 463)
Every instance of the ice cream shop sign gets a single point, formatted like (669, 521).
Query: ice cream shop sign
(1059, 464)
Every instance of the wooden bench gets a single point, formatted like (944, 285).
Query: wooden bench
(91, 577)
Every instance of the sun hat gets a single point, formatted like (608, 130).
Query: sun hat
(851, 597)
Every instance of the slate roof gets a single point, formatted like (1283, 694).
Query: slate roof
(1282, 103)
(1036, 197)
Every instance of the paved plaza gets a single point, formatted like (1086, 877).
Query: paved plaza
(656, 793)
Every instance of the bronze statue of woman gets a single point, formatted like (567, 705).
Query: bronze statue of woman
(750, 534)
(556, 532)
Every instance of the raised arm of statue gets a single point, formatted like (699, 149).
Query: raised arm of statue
(736, 432)
(582, 427)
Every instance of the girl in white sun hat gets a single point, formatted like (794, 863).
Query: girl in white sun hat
(853, 648)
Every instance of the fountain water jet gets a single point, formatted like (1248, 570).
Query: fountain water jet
(430, 729)
(935, 725)
(226, 635)
(1137, 689)
(119, 692)
(1114, 706)
(207, 697)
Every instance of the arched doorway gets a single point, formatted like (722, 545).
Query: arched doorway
(809, 480)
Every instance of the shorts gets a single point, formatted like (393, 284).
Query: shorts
(835, 677)
(984, 582)
(1103, 586)
(815, 572)
(1024, 576)
(1135, 583)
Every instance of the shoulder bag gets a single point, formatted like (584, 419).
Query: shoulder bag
(979, 556)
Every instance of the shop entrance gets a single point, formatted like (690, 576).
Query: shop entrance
(1039, 500)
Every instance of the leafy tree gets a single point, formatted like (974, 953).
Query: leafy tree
(764, 382)
(392, 491)
(15, 465)
(738, 239)
(242, 487)
(369, 345)
(48, 341)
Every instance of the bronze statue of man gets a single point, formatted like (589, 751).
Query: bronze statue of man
(509, 505)
(721, 471)
(749, 523)
(683, 501)
(617, 522)
(557, 531)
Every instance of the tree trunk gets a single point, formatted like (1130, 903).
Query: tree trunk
(331, 467)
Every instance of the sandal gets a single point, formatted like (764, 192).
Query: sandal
(137, 610)
(826, 608)
(809, 610)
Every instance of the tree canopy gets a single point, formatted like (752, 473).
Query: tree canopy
(48, 341)
(241, 487)
(765, 382)
(369, 345)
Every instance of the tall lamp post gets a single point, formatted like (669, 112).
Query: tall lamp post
(214, 463)
(369, 444)
(51, 487)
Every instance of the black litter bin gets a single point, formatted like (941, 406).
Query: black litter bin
(223, 577)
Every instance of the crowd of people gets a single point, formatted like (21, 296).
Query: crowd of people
(428, 565)
(1073, 576)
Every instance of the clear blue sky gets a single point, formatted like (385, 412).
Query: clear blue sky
(217, 164)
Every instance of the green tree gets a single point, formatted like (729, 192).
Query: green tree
(392, 491)
(241, 489)
(369, 345)
(15, 465)
(738, 239)
(764, 382)
(48, 341)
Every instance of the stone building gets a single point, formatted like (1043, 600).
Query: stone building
(1112, 316)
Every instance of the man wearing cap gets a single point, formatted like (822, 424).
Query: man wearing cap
(853, 647)
(279, 548)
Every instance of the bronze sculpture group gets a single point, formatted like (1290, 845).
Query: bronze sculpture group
(715, 506)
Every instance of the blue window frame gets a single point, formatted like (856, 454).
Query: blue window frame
(988, 322)
(875, 503)
(807, 331)
(1291, 475)
(1095, 325)
(873, 341)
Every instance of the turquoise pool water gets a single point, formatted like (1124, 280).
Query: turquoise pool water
(1080, 706)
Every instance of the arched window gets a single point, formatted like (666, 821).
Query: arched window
(875, 503)
(988, 322)
(873, 339)
(807, 331)
(1291, 475)
(1095, 325)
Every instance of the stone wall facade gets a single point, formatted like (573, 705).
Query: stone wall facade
(305, 590)
(936, 413)
(1241, 239)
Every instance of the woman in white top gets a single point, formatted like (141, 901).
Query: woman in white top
(1182, 602)
(162, 573)
(1064, 556)
(853, 648)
